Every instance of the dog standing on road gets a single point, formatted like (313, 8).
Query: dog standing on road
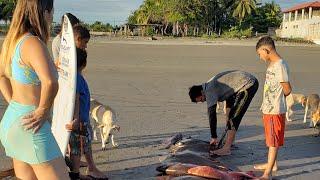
(316, 120)
(310, 104)
(103, 118)
(293, 99)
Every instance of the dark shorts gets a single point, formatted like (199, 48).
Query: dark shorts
(239, 103)
(80, 143)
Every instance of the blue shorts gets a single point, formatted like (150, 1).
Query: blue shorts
(24, 145)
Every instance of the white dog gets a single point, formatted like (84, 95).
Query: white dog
(103, 119)
(293, 99)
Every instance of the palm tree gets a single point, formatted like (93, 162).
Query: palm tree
(242, 8)
(273, 13)
(272, 9)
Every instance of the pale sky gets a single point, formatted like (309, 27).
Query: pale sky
(115, 11)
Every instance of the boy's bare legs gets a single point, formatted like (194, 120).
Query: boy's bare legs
(226, 149)
(92, 170)
(265, 165)
(269, 167)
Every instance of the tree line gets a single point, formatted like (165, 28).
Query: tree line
(194, 17)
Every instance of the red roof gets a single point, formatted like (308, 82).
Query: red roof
(315, 4)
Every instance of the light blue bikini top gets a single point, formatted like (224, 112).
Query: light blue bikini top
(21, 72)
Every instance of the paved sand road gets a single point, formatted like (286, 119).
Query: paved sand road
(147, 84)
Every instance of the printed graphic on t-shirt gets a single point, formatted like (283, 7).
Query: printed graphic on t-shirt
(273, 96)
(271, 89)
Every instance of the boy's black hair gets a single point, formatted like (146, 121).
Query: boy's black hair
(266, 41)
(81, 32)
(194, 92)
(81, 58)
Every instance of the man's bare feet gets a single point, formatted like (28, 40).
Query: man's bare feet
(96, 174)
(222, 152)
(262, 167)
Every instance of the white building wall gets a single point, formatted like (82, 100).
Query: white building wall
(303, 27)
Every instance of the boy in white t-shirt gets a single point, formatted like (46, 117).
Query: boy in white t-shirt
(276, 88)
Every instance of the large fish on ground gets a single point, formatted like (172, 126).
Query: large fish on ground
(212, 173)
(180, 169)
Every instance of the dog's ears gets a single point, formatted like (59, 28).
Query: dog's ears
(116, 127)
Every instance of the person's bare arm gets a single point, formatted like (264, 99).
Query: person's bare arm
(5, 85)
(286, 88)
(35, 54)
(74, 125)
(6, 89)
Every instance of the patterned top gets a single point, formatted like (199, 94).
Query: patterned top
(274, 101)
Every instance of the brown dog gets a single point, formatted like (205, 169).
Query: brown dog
(312, 104)
(316, 119)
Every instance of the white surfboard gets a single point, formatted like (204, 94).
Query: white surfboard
(64, 102)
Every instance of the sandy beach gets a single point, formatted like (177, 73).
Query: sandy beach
(147, 82)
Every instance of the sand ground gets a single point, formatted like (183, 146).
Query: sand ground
(147, 84)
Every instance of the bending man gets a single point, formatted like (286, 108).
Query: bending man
(236, 88)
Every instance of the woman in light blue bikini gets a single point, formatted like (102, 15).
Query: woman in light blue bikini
(28, 82)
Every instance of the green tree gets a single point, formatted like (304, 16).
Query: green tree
(180, 17)
(7, 7)
(268, 15)
(100, 27)
(243, 8)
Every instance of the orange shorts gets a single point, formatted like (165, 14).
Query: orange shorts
(274, 126)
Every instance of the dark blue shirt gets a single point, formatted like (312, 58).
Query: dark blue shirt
(84, 99)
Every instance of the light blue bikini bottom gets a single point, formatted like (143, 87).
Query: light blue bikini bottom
(26, 146)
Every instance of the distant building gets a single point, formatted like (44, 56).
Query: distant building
(301, 21)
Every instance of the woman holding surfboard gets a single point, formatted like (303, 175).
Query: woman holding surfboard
(28, 81)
